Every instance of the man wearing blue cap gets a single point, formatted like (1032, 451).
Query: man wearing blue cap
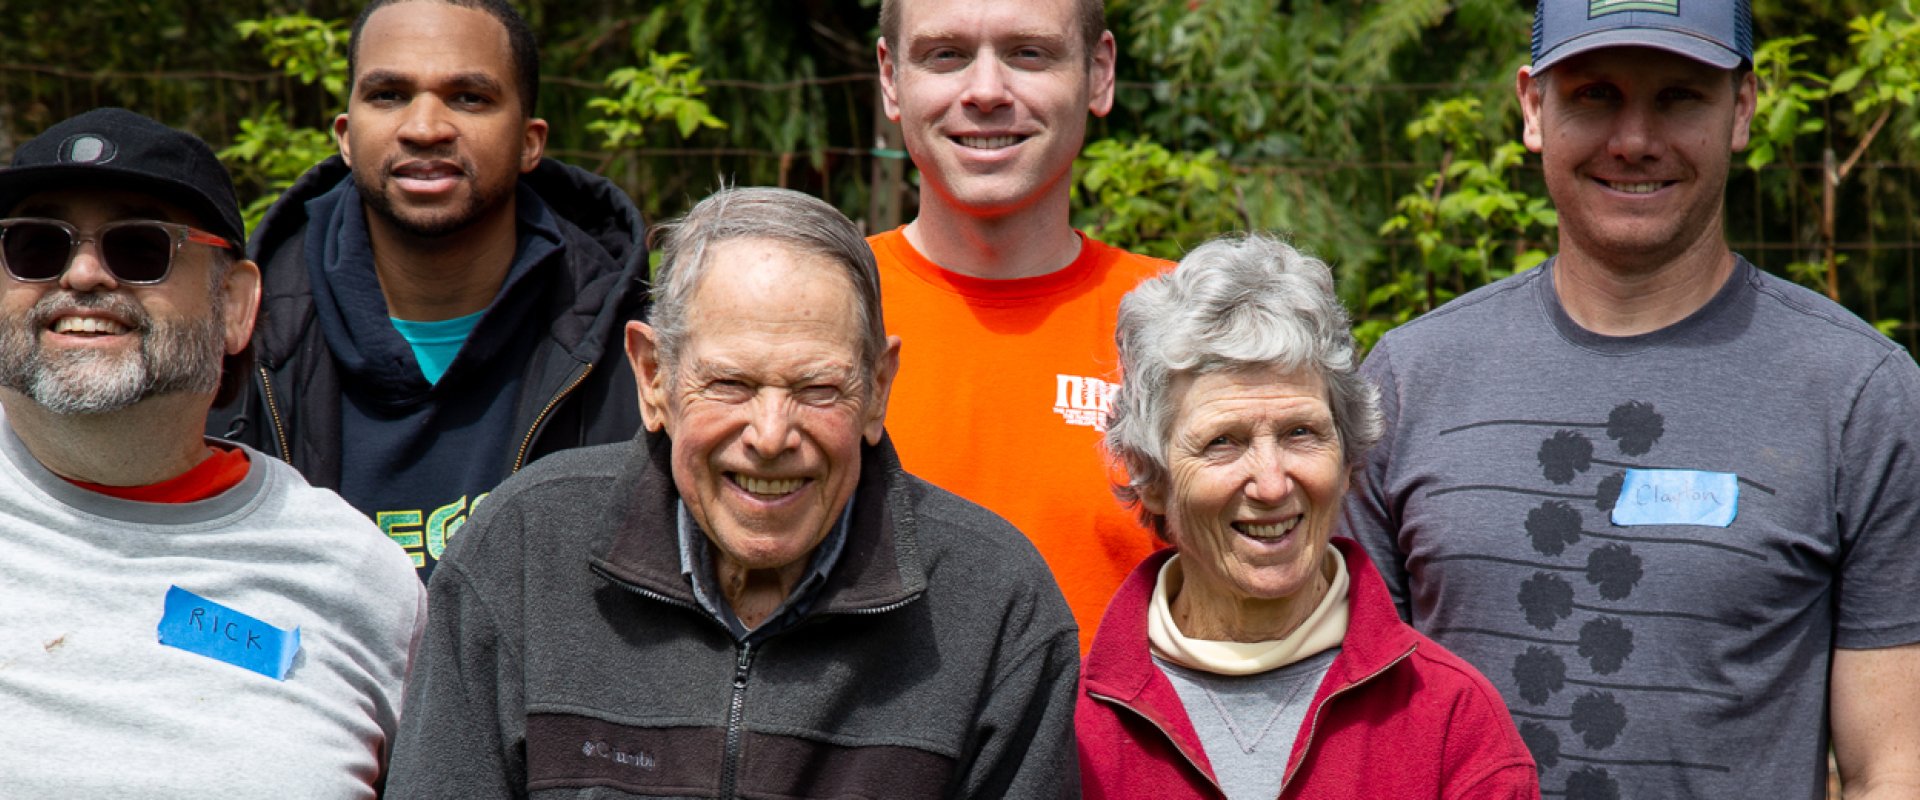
(1672, 512)
(184, 617)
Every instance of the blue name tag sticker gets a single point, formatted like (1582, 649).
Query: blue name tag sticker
(1677, 497)
(204, 627)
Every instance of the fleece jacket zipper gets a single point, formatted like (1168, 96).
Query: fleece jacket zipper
(742, 666)
(736, 711)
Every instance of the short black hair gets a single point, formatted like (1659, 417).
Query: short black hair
(526, 52)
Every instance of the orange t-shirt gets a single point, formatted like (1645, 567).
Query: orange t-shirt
(221, 470)
(1002, 399)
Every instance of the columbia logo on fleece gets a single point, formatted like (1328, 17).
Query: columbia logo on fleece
(593, 749)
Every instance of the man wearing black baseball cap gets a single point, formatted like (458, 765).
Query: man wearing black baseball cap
(1671, 509)
(186, 609)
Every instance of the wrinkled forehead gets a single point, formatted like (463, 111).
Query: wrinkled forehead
(96, 206)
(760, 274)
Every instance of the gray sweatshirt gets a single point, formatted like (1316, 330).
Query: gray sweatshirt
(93, 705)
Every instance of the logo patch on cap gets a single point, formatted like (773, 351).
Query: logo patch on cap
(1601, 8)
(87, 148)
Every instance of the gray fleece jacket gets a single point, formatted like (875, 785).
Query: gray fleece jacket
(566, 655)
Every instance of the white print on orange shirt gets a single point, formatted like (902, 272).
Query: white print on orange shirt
(1083, 401)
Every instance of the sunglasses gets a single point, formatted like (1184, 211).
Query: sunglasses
(135, 251)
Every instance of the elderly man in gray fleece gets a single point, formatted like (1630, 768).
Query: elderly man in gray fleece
(751, 598)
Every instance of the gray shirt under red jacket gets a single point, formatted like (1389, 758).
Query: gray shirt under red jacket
(1530, 509)
(566, 654)
(1396, 715)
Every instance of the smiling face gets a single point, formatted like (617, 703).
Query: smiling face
(1635, 143)
(767, 402)
(1255, 477)
(86, 344)
(435, 130)
(992, 97)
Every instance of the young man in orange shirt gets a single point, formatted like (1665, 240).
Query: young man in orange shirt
(1006, 312)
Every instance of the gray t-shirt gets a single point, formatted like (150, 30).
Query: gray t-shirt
(93, 705)
(1552, 505)
(1248, 723)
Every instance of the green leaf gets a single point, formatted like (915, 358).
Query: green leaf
(688, 119)
(1847, 79)
(1383, 293)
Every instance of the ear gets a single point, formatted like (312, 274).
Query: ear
(883, 374)
(340, 139)
(1745, 99)
(1100, 76)
(242, 302)
(644, 354)
(533, 144)
(1529, 90)
(889, 94)
(1153, 497)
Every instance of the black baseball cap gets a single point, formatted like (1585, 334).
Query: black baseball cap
(1718, 33)
(119, 149)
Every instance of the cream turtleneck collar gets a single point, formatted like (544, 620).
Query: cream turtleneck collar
(1322, 630)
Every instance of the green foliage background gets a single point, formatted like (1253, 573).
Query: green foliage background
(1380, 134)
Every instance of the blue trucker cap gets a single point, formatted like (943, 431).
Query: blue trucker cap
(1715, 32)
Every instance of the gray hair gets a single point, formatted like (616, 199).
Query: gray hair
(1234, 303)
(801, 221)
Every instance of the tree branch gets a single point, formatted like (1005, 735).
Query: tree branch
(1861, 149)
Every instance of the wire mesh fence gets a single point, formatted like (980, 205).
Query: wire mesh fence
(850, 155)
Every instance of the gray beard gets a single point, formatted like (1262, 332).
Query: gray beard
(173, 357)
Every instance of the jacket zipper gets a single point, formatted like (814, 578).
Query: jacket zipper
(736, 707)
(730, 774)
(1314, 724)
(653, 595)
(1312, 727)
(520, 459)
(273, 413)
(1191, 762)
(880, 609)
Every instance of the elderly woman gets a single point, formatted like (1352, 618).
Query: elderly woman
(1256, 657)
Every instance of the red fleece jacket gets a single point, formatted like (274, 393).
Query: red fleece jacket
(1396, 717)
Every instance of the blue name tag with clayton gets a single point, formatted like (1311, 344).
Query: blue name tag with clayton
(1677, 497)
(198, 625)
